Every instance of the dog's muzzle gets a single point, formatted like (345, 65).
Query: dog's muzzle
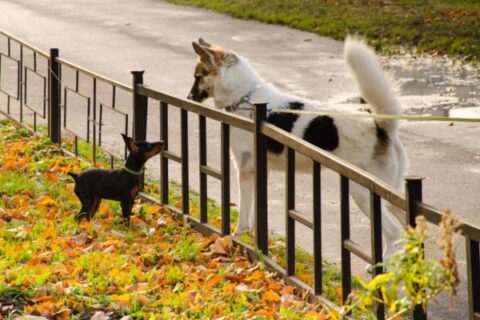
(197, 96)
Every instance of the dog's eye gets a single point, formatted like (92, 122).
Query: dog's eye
(197, 78)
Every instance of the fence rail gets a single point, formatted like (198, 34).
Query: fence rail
(261, 131)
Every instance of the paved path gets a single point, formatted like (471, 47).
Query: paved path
(113, 37)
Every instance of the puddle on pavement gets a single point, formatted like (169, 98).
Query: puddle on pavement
(437, 86)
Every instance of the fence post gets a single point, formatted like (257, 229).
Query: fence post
(413, 195)
(163, 159)
(473, 278)
(140, 111)
(289, 205)
(346, 261)
(140, 108)
(54, 128)
(260, 174)
(225, 165)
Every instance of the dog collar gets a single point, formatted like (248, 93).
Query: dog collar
(243, 100)
(135, 173)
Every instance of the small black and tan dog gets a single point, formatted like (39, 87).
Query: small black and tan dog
(123, 185)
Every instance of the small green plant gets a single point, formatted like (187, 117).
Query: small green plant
(174, 274)
(13, 299)
(410, 279)
(186, 250)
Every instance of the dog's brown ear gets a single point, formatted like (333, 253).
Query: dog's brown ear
(131, 146)
(205, 56)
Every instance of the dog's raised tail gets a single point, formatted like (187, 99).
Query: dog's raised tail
(73, 175)
(375, 85)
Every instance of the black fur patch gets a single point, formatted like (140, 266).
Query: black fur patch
(382, 135)
(284, 121)
(322, 132)
(383, 139)
(296, 105)
(195, 93)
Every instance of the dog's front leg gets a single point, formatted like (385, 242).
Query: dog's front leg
(241, 148)
(245, 182)
(126, 211)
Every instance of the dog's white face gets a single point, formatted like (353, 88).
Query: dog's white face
(212, 63)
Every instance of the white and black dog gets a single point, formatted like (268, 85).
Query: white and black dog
(372, 145)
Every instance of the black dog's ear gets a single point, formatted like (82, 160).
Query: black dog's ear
(204, 43)
(131, 146)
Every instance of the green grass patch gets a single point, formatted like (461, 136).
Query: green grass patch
(13, 183)
(433, 26)
(156, 268)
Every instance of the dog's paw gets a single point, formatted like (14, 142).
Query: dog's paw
(79, 216)
(369, 269)
(241, 229)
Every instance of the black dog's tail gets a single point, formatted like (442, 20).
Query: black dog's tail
(73, 175)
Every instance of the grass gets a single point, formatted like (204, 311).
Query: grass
(432, 26)
(52, 267)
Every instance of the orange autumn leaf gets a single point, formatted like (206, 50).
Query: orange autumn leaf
(143, 299)
(46, 201)
(229, 288)
(265, 313)
(256, 275)
(51, 177)
(274, 286)
(338, 292)
(270, 296)
(212, 264)
(213, 280)
(287, 290)
(312, 315)
(104, 209)
(162, 245)
(45, 309)
(307, 278)
(152, 209)
(135, 219)
(120, 297)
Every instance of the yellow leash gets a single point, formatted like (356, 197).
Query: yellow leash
(380, 116)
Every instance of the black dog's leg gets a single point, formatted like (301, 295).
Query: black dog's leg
(94, 208)
(126, 211)
(86, 207)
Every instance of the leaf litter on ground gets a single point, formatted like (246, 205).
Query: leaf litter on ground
(158, 268)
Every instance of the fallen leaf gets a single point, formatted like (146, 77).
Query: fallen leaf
(270, 296)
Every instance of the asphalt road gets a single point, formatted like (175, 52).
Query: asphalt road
(114, 37)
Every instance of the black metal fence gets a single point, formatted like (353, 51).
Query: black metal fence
(411, 203)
